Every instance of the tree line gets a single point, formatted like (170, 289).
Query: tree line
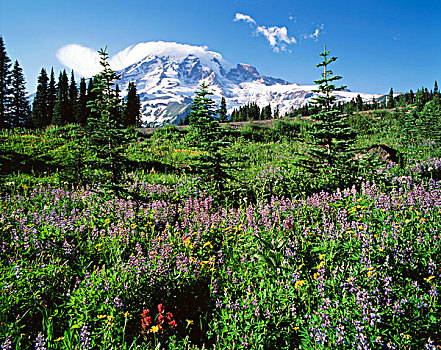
(58, 102)
(251, 111)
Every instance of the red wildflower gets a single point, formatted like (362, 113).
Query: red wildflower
(161, 308)
(172, 324)
(169, 316)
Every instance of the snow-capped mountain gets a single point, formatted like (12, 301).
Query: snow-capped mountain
(167, 78)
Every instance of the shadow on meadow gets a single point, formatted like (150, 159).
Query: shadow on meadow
(11, 162)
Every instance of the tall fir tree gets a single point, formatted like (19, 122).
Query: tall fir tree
(207, 136)
(106, 137)
(411, 97)
(331, 137)
(51, 97)
(40, 106)
(266, 112)
(359, 103)
(61, 113)
(81, 112)
(91, 96)
(5, 86)
(222, 112)
(20, 111)
(390, 99)
(420, 100)
(72, 100)
(132, 107)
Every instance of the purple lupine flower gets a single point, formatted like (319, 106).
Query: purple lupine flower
(85, 339)
(118, 302)
(7, 345)
(40, 342)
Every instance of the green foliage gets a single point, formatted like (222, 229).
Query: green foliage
(390, 99)
(52, 94)
(40, 114)
(167, 132)
(107, 139)
(81, 111)
(62, 111)
(211, 164)
(222, 112)
(19, 113)
(132, 110)
(5, 88)
(331, 138)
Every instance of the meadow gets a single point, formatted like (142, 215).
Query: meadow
(281, 261)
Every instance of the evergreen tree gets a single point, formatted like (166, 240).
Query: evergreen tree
(430, 120)
(61, 111)
(71, 108)
(19, 113)
(332, 138)
(402, 100)
(207, 136)
(420, 100)
(51, 98)
(40, 105)
(106, 137)
(81, 112)
(223, 111)
(91, 96)
(266, 112)
(5, 86)
(435, 89)
(359, 103)
(390, 99)
(411, 97)
(132, 108)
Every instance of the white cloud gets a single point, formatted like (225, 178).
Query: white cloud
(314, 36)
(85, 61)
(277, 37)
(242, 17)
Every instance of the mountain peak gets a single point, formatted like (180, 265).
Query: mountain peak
(167, 74)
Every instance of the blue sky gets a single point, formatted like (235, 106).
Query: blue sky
(379, 44)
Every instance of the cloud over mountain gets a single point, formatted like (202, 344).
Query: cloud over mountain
(85, 61)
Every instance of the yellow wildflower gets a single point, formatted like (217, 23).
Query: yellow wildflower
(101, 316)
(58, 339)
(299, 284)
(322, 256)
(154, 329)
(429, 278)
